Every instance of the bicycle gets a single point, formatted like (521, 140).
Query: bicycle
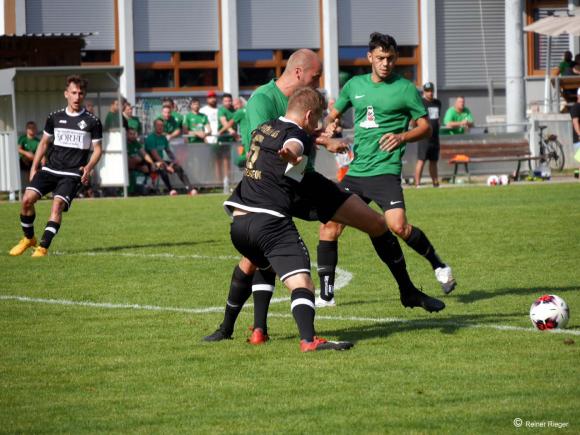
(551, 150)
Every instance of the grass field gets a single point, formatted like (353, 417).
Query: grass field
(105, 334)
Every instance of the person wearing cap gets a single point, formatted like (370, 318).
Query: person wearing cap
(211, 111)
(458, 119)
(428, 148)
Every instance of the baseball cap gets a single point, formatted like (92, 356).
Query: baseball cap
(428, 86)
(211, 94)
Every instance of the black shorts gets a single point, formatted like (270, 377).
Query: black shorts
(428, 150)
(385, 190)
(270, 240)
(318, 198)
(64, 187)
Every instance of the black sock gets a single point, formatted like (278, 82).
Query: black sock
(303, 312)
(390, 252)
(165, 177)
(183, 177)
(327, 258)
(240, 291)
(262, 292)
(27, 223)
(49, 232)
(420, 243)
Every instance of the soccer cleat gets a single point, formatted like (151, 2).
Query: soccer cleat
(173, 192)
(323, 344)
(218, 335)
(258, 337)
(416, 298)
(39, 251)
(321, 303)
(445, 278)
(193, 192)
(22, 246)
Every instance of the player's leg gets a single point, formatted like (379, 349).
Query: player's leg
(263, 286)
(327, 259)
(418, 241)
(52, 226)
(433, 173)
(418, 172)
(27, 216)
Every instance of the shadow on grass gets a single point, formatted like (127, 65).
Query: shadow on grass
(144, 245)
(480, 295)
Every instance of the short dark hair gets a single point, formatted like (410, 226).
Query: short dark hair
(77, 80)
(226, 95)
(382, 40)
(30, 124)
(194, 100)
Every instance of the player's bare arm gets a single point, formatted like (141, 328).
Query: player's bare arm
(390, 141)
(291, 152)
(39, 155)
(95, 157)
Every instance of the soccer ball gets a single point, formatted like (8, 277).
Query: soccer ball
(493, 180)
(504, 180)
(549, 312)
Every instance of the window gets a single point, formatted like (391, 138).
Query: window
(257, 67)
(97, 56)
(353, 61)
(538, 44)
(174, 71)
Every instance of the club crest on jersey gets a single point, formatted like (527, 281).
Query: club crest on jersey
(82, 125)
(369, 122)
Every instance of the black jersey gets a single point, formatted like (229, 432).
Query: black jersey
(434, 112)
(269, 183)
(72, 137)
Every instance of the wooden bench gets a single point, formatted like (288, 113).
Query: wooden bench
(486, 148)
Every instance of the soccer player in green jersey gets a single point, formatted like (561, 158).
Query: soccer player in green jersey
(196, 124)
(384, 103)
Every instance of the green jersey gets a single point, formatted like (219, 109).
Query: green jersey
(29, 144)
(266, 103)
(170, 125)
(195, 122)
(379, 108)
(134, 123)
(134, 148)
(241, 121)
(157, 143)
(229, 115)
(178, 117)
(453, 115)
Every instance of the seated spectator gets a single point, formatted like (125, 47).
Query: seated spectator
(112, 119)
(196, 124)
(458, 119)
(27, 144)
(158, 148)
(138, 159)
(171, 127)
(565, 67)
(132, 121)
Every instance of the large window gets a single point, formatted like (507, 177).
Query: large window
(176, 71)
(257, 67)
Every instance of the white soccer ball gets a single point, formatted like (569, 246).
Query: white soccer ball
(504, 180)
(549, 312)
(492, 180)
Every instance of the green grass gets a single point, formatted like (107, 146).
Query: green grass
(70, 368)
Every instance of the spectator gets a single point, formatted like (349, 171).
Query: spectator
(458, 119)
(196, 124)
(174, 109)
(575, 115)
(171, 127)
(243, 124)
(112, 119)
(132, 121)
(158, 148)
(138, 159)
(227, 126)
(565, 67)
(428, 149)
(576, 65)
(27, 144)
(211, 111)
(90, 106)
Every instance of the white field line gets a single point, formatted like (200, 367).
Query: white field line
(434, 323)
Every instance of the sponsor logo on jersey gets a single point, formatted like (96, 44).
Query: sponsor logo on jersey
(82, 125)
(72, 138)
(369, 122)
(356, 97)
(62, 121)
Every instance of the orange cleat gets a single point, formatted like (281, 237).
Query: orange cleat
(323, 344)
(258, 337)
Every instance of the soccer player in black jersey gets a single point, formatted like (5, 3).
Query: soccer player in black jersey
(262, 229)
(69, 135)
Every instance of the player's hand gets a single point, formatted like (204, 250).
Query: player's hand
(330, 130)
(159, 165)
(85, 175)
(332, 145)
(289, 157)
(170, 168)
(390, 141)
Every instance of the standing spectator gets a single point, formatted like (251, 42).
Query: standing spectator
(158, 148)
(211, 111)
(227, 126)
(90, 106)
(196, 123)
(174, 109)
(27, 144)
(428, 149)
(112, 119)
(458, 119)
(565, 67)
(243, 124)
(575, 115)
(132, 121)
(171, 127)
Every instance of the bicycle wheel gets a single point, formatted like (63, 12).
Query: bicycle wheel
(555, 155)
